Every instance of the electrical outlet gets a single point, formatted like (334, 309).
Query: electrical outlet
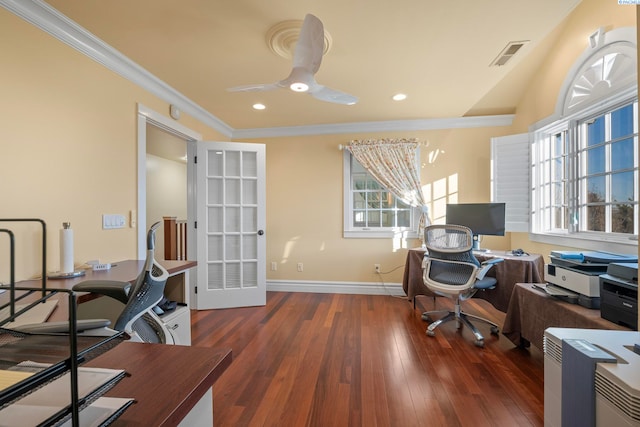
(300, 266)
(274, 266)
(377, 268)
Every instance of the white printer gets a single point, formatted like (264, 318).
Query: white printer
(577, 274)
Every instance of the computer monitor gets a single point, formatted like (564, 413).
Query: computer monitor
(482, 218)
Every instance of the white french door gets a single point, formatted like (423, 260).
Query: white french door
(231, 219)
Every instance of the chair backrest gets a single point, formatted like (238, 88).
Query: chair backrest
(449, 263)
(137, 315)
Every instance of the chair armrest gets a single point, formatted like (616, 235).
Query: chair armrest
(62, 327)
(485, 266)
(111, 288)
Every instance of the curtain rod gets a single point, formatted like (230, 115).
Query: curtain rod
(420, 144)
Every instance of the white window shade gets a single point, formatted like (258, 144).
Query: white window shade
(511, 179)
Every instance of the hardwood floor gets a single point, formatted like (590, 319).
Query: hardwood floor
(360, 360)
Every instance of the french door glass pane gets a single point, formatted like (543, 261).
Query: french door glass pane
(214, 163)
(249, 164)
(249, 191)
(232, 164)
(232, 194)
(215, 250)
(232, 220)
(249, 247)
(214, 219)
(232, 275)
(250, 219)
(232, 247)
(214, 191)
(249, 274)
(215, 276)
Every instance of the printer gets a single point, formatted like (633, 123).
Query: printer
(575, 276)
(619, 294)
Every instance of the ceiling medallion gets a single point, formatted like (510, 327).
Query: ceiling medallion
(282, 38)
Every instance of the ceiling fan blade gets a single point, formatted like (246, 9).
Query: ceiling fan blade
(310, 45)
(324, 93)
(255, 87)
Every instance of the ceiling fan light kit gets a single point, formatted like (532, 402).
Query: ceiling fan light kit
(307, 58)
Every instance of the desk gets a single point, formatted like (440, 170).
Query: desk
(166, 381)
(95, 306)
(531, 311)
(514, 269)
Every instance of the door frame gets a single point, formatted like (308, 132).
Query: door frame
(147, 116)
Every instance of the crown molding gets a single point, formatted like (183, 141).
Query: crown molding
(383, 126)
(48, 19)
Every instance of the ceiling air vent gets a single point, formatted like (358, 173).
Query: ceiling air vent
(507, 53)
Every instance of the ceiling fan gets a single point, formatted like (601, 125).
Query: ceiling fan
(307, 57)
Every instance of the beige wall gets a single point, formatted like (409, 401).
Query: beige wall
(68, 148)
(305, 202)
(68, 139)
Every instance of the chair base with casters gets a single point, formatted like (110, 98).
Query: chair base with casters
(451, 270)
(461, 318)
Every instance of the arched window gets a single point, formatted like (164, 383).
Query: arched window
(584, 159)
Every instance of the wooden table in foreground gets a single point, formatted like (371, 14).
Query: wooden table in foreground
(171, 384)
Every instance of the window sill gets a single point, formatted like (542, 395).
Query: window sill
(588, 243)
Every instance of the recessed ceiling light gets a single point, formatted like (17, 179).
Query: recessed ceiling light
(399, 97)
(259, 106)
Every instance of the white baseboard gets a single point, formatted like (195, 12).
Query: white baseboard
(362, 288)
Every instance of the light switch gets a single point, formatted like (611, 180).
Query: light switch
(111, 221)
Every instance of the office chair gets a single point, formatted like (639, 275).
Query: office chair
(137, 319)
(450, 269)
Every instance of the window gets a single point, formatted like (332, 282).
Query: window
(585, 174)
(584, 158)
(371, 210)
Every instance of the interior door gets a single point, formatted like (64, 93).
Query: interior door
(230, 225)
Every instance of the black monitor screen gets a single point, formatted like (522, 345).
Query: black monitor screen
(481, 218)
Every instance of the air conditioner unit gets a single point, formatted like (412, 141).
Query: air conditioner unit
(617, 385)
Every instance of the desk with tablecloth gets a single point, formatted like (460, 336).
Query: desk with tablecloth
(531, 311)
(528, 268)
